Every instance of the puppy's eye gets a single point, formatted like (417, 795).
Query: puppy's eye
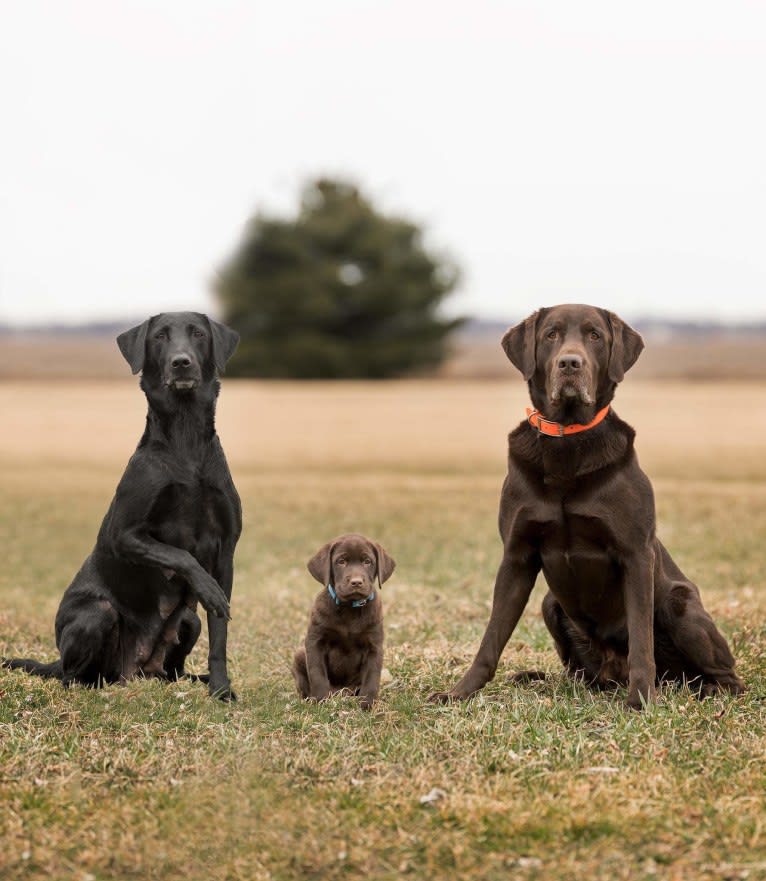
(367, 562)
(198, 333)
(595, 335)
(161, 335)
(552, 335)
(341, 561)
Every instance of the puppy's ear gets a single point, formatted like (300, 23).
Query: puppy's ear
(132, 344)
(225, 341)
(386, 564)
(519, 345)
(626, 347)
(320, 564)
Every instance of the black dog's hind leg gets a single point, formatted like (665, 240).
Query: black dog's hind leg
(89, 645)
(189, 630)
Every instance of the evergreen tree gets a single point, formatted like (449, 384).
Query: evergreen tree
(340, 291)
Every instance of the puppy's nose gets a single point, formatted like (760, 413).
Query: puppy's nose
(570, 362)
(182, 360)
(356, 581)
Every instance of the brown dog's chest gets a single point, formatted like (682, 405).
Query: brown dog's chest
(581, 566)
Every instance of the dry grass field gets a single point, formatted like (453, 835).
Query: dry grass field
(548, 781)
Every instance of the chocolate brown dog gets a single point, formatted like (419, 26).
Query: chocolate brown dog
(344, 644)
(577, 506)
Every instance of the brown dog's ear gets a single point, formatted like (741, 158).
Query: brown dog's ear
(519, 345)
(319, 565)
(626, 347)
(225, 341)
(132, 344)
(386, 564)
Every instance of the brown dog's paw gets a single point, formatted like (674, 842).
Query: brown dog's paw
(444, 697)
(638, 699)
(528, 676)
(733, 686)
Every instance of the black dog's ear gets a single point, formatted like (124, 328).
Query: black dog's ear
(132, 344)
(319, 565)
(225, 342)
(386, 564)
(519, 345)
(626, 347)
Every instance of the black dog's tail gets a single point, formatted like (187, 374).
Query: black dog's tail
(36, 668)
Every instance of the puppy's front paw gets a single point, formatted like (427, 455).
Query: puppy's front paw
(444, 697)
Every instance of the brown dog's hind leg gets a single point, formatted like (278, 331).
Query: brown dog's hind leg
(701, 651)
(301, 673)
(599, 667)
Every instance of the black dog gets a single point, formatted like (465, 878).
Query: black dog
(577, 506)
(168, 538)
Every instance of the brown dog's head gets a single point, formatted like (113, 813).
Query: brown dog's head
(351, 563)
(572, 357)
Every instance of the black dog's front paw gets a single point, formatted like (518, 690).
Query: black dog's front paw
(222, 691)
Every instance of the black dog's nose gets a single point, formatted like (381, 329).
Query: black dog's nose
(570, 362)
(180, 361)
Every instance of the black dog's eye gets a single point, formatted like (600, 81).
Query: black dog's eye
(552, 334)
(595, 335)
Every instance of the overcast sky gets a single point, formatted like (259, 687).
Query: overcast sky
(606, 152)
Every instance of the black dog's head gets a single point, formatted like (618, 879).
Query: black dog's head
(178, 350)
(350, 563)
(572, 356)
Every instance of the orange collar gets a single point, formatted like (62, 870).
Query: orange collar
(556, 429)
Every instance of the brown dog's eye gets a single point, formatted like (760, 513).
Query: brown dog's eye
(552, 334)
(197, 332)
(367, 562)
(160, 335)
(341, 561)
(594, 335)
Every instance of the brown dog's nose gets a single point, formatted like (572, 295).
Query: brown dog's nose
(356, 581)
(570, 362)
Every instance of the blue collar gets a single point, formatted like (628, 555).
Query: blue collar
(355, 604)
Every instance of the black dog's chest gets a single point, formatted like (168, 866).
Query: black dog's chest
(193, 514)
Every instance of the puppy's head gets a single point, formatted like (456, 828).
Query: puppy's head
(351, 564)
(572, 357)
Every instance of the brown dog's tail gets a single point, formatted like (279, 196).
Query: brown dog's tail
(36, 668)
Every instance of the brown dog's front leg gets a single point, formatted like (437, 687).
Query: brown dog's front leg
(368, 691)
(639, 612)
(316, 668)
(513, 584)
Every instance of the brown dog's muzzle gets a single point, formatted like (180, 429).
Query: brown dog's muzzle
(570, 378)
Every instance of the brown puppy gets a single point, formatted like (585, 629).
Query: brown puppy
(344, 644)
(577, 506)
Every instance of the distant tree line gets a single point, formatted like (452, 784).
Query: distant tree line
(340, 290)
